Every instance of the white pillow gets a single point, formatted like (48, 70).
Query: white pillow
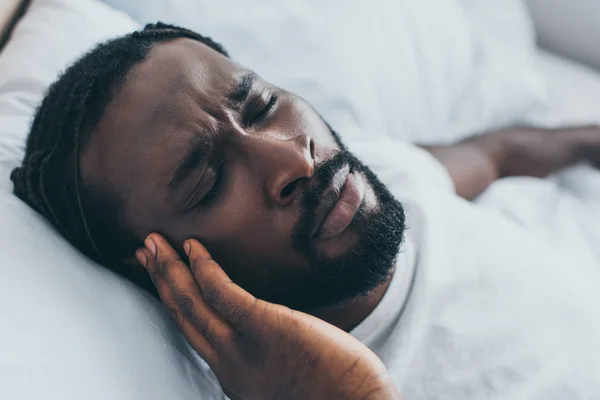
(70, 329)
(416, 69)
(51, 35)
(505, 86)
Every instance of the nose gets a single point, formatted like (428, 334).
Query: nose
(286, 165)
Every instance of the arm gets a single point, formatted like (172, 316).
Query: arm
(475, 163)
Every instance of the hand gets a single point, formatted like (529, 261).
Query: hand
(256, 349)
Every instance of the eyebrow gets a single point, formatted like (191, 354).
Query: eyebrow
(191, 161)
(242, 88)
(201, 148)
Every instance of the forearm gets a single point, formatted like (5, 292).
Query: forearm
(477, 162)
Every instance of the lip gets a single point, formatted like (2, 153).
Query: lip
(339, 204)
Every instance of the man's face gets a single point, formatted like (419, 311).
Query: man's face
(196, 146)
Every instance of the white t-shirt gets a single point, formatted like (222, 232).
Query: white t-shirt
(479, 307)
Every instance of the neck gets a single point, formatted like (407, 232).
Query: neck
(350, 314)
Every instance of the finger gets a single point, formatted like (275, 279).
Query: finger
(187, 294)
(182, 296)
(229, 299)
(191, 333)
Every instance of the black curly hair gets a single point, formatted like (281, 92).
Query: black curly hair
(48, 179)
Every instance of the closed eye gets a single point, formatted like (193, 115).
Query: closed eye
(213, 192)
(208, 189)
(260, 116)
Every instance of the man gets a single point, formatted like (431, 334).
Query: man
(160, 131)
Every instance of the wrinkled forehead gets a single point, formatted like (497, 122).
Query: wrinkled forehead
(177, 92)
(181, 82)
(181, 64)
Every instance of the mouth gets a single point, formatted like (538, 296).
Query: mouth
(339, 204)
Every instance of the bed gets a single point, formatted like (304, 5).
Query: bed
(73, 330)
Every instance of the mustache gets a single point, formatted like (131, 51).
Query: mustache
(322, 179)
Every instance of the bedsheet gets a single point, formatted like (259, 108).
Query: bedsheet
(565, 208)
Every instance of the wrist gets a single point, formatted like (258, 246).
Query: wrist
(586, 143)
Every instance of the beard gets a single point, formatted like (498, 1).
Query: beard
(365, 266)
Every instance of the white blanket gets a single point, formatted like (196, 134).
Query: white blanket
(480, 307)
(564, 209)
(504, 295)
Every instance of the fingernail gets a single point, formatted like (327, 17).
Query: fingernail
(141, 257)
(151, 246)
(186, 247)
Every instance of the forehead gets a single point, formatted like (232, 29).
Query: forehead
(177, 92)
(182, 63)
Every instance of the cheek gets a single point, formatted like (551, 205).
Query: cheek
(244, 226)
(143, 214)
(243, 234)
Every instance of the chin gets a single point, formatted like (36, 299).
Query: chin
(338, 246)
(347, 263)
